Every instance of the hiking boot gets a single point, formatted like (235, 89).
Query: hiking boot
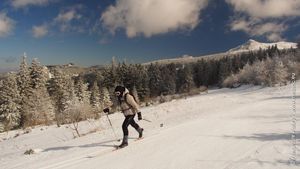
(140, 131)
(124, 142)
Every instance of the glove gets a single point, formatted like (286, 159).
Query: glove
(139, 116)
(106, 110)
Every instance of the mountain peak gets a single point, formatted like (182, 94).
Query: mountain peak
(253, 45)
(251, 40)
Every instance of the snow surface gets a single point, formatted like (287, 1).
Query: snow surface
(248, 127)
(252, 45)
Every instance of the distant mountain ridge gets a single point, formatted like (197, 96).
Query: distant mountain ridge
(252, 45)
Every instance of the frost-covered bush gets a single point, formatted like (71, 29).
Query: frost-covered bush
(273, 72)
(75, 112)
(230, 81)
(268, 72)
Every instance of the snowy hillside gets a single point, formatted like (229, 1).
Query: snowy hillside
(244, 128)
(252, 45)
(185, 59)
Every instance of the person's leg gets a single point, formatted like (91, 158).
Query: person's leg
(136, 126)
(133, 123)
(125, 125)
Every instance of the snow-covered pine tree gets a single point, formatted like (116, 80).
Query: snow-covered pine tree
(199, 72)
(135, 95)
(39, 106)
(111, 76)
(154, 79)
(81, 90)
(95, 99)
(185, 80)
(142, 82)
(23, 81)
(224, 69)
(105, 97)
(61, 91)
(168, 74)
(280, 72)
(83, 95)
(9, 104)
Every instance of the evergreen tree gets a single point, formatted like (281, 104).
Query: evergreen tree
(111, 76)
(142, 81)
(128, 75)
(280, 72)
(135, 95)
(61, 91)
(39, 108)
(23, 81)
(95, 98)
(225, 68)
(185, 80)
(154, 80)
(213, 72)
(199, 73)
(210, 73)
(168, 82)
(105, 97)
(81, 90)
(9, 104)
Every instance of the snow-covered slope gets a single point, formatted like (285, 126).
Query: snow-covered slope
(247, 128)
(252, 45)
(185, 59)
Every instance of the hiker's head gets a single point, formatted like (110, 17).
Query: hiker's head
(119, 90)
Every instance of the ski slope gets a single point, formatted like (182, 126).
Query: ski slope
(244, 128)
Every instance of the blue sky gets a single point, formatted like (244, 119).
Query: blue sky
(90, 32)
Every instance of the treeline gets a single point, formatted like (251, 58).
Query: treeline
(166, 79)
(35, 95)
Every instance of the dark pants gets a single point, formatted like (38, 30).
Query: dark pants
(129, 120)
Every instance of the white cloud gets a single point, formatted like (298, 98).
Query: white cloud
(6, 25)
(25, 3)
(65, 18)
(267, 8)
(263, 17)
(271, 30)
(69, 19)
(152, 17)
(39, 31)
(275, 37)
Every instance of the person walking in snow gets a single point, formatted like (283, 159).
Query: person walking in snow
(129, 108)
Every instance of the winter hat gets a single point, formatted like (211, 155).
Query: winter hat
(120, 89)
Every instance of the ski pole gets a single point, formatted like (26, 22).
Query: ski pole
(147, 120)
(112, 127)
